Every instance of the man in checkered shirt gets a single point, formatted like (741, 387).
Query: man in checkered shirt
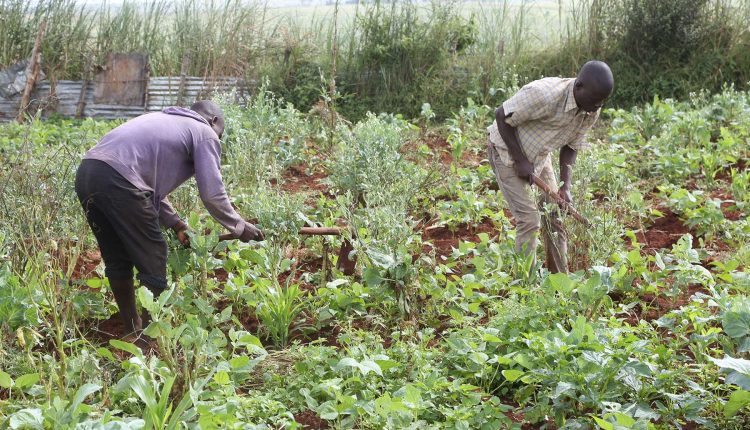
(547, 115)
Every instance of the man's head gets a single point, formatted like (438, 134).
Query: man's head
(593, 85)
(212, 113)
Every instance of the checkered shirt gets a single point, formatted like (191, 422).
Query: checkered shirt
(546, 118)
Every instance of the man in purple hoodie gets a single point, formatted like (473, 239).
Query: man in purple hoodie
(123, 184)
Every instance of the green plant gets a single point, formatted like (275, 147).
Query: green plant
(278, 309)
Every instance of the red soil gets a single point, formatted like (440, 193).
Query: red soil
(310, 420)
(728, 205)
(106, 330)
(300, 268)
(665, 231)
(443, 152)
(443, 239)
(85, 267)
(441, 148)
(726, 173)
(651, 307)
(296, 180)
(730, 211)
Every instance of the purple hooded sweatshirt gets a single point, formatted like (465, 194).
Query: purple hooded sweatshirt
(159, 151)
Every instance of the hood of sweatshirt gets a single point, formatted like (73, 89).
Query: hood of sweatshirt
(175, 110)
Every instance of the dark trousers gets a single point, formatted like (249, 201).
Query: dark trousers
(125, 223)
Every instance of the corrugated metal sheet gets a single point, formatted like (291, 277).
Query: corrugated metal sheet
(161, 92)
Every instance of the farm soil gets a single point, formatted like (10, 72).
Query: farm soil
(442, 151)
(86, 265)
(651, 307)
(310, 420)
(444, 240)
(665, 231)
(296, 180)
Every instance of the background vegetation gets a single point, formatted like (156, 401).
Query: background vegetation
(394, 56)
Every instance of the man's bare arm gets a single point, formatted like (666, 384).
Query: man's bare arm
(524, 168)
(567, 160)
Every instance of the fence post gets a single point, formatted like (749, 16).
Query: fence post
(183, 79)
(34, 72)
(84, 88)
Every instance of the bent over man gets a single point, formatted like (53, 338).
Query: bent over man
(545, 116)
(123, 184)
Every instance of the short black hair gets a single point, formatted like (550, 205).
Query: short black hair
(598, 76)
(207, 109)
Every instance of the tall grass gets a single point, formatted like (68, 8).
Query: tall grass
(396, 55)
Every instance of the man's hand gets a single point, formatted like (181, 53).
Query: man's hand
(524, 169)
(181, 229)
(251, 232)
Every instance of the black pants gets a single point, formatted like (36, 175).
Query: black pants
(125, 223)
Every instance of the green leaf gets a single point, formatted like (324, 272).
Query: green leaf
(738, 400)
(5, 380)
(738, 364)
(386, 364)
(221, 378)
(563, 388)
(239, 362)
(365, 366)
(561, 283)
(524, 361)
(94, 282)
(384, 261)
(368, 366)
(372, 277)
(125, 346)
(327, 411)
(624, 420)
(27, 418)
(512, 374)
(346, 362)
(737, 324)
(105, 353)
(83, 392)
(146, 297)
(604, 425)
(157, 329)
(337, 282)
(27, 380)
(249, 339)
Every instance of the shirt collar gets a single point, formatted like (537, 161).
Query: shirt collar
(570, 101)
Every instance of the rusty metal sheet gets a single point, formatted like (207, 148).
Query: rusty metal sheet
(123, 81)
(162, 92)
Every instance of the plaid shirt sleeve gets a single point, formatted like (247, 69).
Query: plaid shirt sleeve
(529, 104)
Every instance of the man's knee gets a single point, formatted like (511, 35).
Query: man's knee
(155, 284)
(118, 270)
(528, 224)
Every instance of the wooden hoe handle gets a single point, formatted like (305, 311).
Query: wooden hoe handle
(567, 206)
(306, 231)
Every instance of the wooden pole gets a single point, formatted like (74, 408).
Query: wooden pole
(33, 73)
(305, 231)
(84, 87)
(183, 79)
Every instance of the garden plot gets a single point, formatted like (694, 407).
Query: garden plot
(442, 325)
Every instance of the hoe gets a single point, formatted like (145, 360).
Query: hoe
(565, 205)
